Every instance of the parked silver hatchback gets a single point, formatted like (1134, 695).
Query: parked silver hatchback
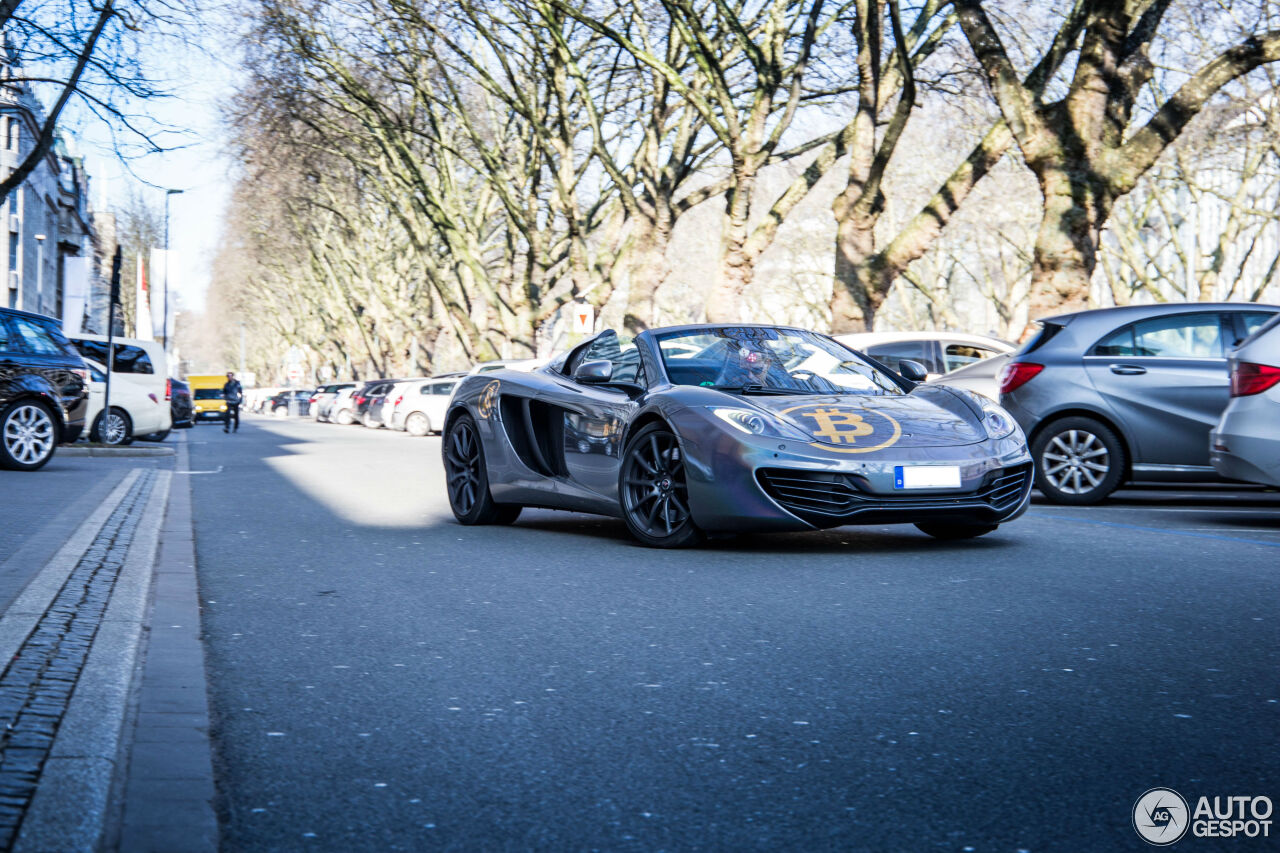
(1246, 444)
(1125, 394)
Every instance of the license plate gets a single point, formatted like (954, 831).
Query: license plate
(926, 477)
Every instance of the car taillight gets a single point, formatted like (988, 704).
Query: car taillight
(168, 389)
(1016, 374)
(397, 402)
(153, 398)
(1248, 379)
(313, 398)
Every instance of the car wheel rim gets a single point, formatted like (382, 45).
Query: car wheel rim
(28, 434)
(654, 491)
(1075, 462)
(112, 429)
(463, 457)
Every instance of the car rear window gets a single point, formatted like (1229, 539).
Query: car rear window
(1263, 329)
(129, 359)
(1042, 336)
(41, 338)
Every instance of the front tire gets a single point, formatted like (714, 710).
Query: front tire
(417, 424)
(942, 530)
(654, 491)
(28, 436)
(1079, 461)
(113, 428)
(468, 478)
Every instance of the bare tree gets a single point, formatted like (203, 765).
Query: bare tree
(1081, 147)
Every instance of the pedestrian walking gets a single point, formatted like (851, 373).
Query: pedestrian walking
(232, 395)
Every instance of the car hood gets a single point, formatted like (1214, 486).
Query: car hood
(927, 417)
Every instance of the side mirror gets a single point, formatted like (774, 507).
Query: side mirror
(594, 372)
(913, 370)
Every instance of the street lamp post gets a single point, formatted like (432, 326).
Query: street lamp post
(164, 323)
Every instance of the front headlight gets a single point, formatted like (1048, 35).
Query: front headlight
(753, 422)
(996, 421)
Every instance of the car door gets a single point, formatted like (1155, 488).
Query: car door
(596, 415)
(1166, 379)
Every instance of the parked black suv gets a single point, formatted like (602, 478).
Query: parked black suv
(43, 390)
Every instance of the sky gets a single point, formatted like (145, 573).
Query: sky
(201, 78)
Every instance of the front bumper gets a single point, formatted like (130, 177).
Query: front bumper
(762, 484)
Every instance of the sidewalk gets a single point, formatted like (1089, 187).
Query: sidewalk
(104, 743)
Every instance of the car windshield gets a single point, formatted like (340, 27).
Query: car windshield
(208, 393)
(767, 360)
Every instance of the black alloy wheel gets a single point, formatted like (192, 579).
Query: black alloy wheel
(468, 480)
(654, 490)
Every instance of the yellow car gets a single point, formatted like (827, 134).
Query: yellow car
(206, 393)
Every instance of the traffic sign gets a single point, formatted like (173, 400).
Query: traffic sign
(295, 372)
(584, 318)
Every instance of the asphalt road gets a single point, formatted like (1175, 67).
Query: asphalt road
(384, 679)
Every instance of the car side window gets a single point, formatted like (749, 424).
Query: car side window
(5, 343)
(622, 353)
(444, 389)
(956, 356)
(1180, 336)
(37, 338)
(892, 355)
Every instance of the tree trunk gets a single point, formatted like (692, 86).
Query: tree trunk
(724, 304)
(647, 272)
(1066, 245)
(859, 288)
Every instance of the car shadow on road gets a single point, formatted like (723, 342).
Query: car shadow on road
(879, 539)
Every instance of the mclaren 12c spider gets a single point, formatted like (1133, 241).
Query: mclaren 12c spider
(689, 430)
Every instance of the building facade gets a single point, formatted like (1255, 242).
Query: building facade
(48, 246)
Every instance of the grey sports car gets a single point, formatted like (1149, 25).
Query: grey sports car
(689, 430)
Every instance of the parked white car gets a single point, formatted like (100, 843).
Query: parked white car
(135, 411)
(522, 364)
(342, 410)
(419, 407)
(1246, 443)
(949, 358)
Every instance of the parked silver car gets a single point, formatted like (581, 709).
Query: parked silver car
(1246, 443)
(1125, 394)
(322, 399)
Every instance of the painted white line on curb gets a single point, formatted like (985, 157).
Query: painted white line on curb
(69, 808)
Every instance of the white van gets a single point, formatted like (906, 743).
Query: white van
(139, 389)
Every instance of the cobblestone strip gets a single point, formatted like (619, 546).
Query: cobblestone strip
(37, 684)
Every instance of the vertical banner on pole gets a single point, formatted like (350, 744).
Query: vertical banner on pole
(142, 307)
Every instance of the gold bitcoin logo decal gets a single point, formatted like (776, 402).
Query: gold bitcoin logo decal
(847, 429)
(488, 398)
(837, 426)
